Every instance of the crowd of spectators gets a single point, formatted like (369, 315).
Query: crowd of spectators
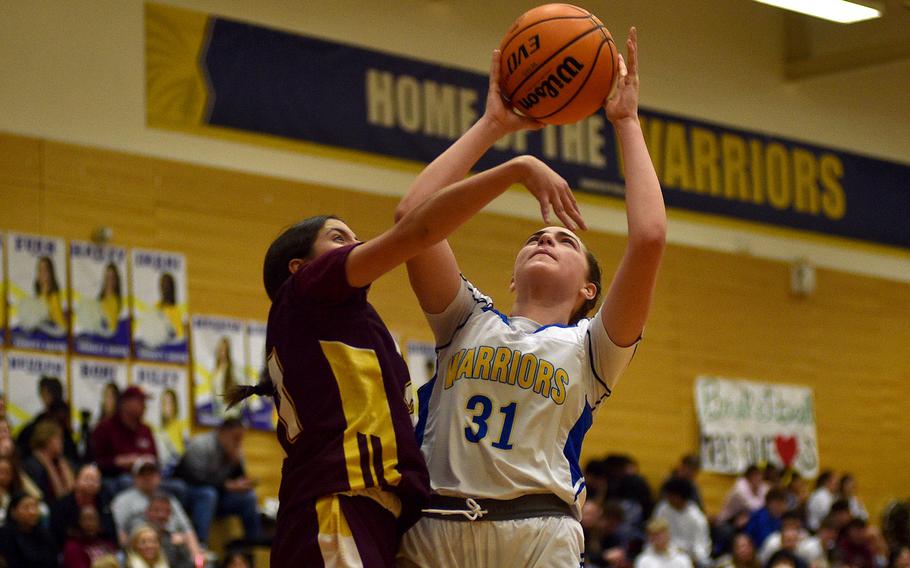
(107, 501)
(768, 519)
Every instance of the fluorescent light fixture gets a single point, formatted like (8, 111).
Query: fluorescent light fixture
(839, 11)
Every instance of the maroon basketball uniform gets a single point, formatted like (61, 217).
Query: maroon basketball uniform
(343, 398)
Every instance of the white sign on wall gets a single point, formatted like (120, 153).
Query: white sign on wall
(745, 422)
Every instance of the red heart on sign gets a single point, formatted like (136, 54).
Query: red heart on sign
(786, 449)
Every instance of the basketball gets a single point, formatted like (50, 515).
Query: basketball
(559, 63)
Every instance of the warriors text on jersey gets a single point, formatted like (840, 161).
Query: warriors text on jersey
(511, 401)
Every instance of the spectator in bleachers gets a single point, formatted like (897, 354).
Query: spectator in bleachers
(745, 497)
(627, 486)
(50, 391)
(237, 560)
(854, 547)
(772, 475)
(767, 519)
(608, 540)
(214, 468)
(131, 506)
(840, 512)
(741, 555)
(86, 493)
(24, 542)
(596, 480)
(819, 503)
(796, 493)
(848, 492)
(47, 466)
(688, 525)
(809, 547)
(10, 483)
(660, 553)
(688, 469)
(120, 441)
(785, 559)
(900, 557)
(827, 541)
(86, 544)
(175, 545)
(144, 549)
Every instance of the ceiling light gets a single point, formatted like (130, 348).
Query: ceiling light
(839, 11)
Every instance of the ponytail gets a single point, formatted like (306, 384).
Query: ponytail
(239, 393)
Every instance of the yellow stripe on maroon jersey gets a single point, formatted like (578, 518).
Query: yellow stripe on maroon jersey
(367, 413)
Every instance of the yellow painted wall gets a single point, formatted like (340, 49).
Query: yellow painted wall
(726, 315)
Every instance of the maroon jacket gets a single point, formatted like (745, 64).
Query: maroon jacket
(112, 438)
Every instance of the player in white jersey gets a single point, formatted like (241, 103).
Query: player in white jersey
(502, 422)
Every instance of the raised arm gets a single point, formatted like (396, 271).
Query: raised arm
(625, 308)
(434, 274)
(433, 220)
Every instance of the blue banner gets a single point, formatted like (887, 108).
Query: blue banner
(267, 82)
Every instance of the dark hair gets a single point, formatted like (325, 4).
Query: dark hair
(231, 555)
(844, 478)
(840, 506)
(52, 385)
(159, 496)
(168, 289)
(230, 424)
(751, 470)
(241, 392)
(775, 494)
(823, 478)
(792, 516)
(593, 277)
(53, 287)
(15, 484)
(118, 293)
(680, 487)
(782, 556)
(613, 510)
(691, 461)
(294, 242)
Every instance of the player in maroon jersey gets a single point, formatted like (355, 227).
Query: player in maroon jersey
(342, 390)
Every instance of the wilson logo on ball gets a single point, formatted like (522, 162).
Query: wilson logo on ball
(553, 84)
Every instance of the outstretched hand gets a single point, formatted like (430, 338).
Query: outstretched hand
(552, 192)
(624, 102)
(498, 112)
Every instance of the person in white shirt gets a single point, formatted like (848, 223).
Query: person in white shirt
(819, 504)
(807, 547)
(745, 497)
(848, 492)
(688, 525)
(659, 553)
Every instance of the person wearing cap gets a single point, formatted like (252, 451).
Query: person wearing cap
(659, 553)
(120, 440)
(130, 506)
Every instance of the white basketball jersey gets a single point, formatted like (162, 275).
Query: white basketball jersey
(511, 401)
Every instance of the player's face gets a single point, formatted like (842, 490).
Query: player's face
(334, 234)
(553, 254)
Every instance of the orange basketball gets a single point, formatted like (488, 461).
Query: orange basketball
(559, 63)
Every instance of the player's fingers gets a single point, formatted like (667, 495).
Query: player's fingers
(561, 212)
(632, 50)
(494, 71)
(545, 210)
(575, 212)
(623, 71)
